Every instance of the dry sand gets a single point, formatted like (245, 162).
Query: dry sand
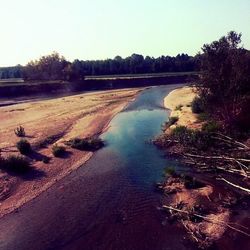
(182, 96)
(65, 118)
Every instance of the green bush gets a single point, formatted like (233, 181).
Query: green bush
(88, 144)
(197, 105)
(23, 146)
(170, 171)
(58, 151)
(15, 164)
(210, 126)
(172, 120)
(19, 131)
(179, 107)
(194, 138)
(203, 117)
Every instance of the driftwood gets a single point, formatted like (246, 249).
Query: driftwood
(229, 139)
(217, 158)
(234, 185)
(214, 221)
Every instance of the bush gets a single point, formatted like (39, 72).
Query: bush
(58, 151)
(191, 182)
(210, 126)
(15, 164)
(197, 105)
(172, 120)
(23, 146)
(19, 131)
(194, 138)
(170, 171)
(203, 117)
(179, 107)
(88, 144)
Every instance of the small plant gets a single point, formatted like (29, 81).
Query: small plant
(170, 171)
(88, 144)
(203, 117)
(197, 105)
(15, 164)
(210, 126)
(191, 182)
(172, 120)
(19, 131)
(58, 151)
(45, 159)
(179, 107)
(23, 146)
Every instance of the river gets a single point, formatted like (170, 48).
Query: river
(110, 202)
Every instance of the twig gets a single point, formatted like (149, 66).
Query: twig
(214, 221)
(234, 185)
(217, 157)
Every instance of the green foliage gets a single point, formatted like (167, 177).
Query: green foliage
(203, 117)
(210, 126)
(170, 171)
(58, 151)
(193, 138)
(172, 120)
(19, 131)
(179, 107)
(197, 105)
(15, 164)
(23, 146)
(225, 81)
(87, 144)
(55, 67)
(191, 182)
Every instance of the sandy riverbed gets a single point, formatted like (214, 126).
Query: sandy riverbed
(61, 118)
(182, 97)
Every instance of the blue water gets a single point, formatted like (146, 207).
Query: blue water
(110, 202)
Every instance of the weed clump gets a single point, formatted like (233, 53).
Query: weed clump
(23, 146)
(179, 107)
(87, 144)
(58, 151)
(197, 105)
(210, 126)
(15, 164)
(19, 131)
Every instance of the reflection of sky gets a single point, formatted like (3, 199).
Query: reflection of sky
(129, 131)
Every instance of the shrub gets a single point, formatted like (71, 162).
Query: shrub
(194, 138)
(172, 120)
(179, 107)
(58, 151)
(23, 146)
(203, 116)
(15, 164)
(197, 105)
(210, 126)
(170, 171)
(19, 131)
(88, 144)
(191, 182)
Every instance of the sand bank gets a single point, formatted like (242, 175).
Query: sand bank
(179, 102)
(61, 119)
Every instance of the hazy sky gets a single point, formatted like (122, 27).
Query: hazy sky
(99, 29)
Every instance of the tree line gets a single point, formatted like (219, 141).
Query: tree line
(56, 67)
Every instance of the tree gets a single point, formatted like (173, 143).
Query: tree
(225, 80)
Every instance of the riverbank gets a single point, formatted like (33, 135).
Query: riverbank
(209, 210)
(179, 102)
(47, 123)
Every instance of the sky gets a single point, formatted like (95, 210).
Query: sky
(100, 29)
